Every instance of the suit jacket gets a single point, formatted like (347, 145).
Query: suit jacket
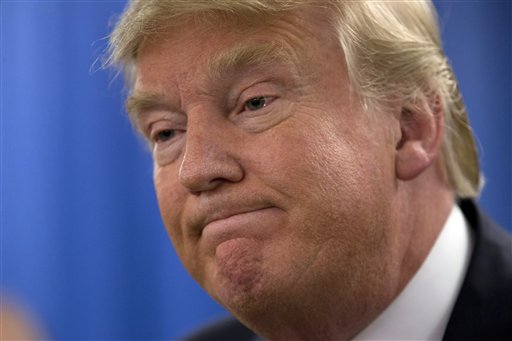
(483, 309)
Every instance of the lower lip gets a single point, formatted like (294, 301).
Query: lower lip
(254, 224)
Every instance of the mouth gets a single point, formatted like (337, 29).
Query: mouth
(225, 214)
(254, 223)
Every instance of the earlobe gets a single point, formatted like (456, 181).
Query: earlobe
(421, 127)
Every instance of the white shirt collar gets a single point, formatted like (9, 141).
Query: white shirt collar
(422, 309)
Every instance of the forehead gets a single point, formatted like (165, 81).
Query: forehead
(292, 37)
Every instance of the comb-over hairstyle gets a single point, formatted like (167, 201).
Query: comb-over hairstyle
(392, 49)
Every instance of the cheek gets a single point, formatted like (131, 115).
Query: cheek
(170, 201)
(171, 197)
(329, 173)
(288, 157)
(310, 159)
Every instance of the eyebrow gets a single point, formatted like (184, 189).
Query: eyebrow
(240, 56)
(141, 101)
(226, 62)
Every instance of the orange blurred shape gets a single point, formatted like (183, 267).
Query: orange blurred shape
(16, 324)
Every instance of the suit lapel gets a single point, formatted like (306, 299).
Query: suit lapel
(483, 310)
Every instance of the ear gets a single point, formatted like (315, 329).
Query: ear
(421, 127)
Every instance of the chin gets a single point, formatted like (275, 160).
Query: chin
(240, 280)
(238, 264)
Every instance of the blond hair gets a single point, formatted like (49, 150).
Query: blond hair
(391, 48)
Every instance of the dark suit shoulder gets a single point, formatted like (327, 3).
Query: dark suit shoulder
(483, 310)
(224, 330)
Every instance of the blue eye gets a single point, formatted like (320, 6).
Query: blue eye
(165, 135)
(256, 103)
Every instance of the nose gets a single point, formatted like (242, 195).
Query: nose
(210, 157)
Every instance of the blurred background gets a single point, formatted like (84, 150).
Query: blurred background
(83, 250)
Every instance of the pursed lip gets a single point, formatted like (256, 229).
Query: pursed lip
(213, 214)
(227, 213)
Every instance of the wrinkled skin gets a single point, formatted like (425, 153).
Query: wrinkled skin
(278, 191)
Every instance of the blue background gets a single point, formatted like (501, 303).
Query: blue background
(82, 245)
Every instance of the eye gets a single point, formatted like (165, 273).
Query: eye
(164, 135)
(257, 103)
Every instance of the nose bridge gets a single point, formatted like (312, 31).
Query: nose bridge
(209, 159)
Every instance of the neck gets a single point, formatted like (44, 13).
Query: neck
(423, 216)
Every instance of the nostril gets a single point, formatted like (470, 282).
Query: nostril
(209, 174)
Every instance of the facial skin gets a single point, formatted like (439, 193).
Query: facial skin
(279, 193)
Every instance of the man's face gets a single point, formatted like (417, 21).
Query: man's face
(275, 187)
